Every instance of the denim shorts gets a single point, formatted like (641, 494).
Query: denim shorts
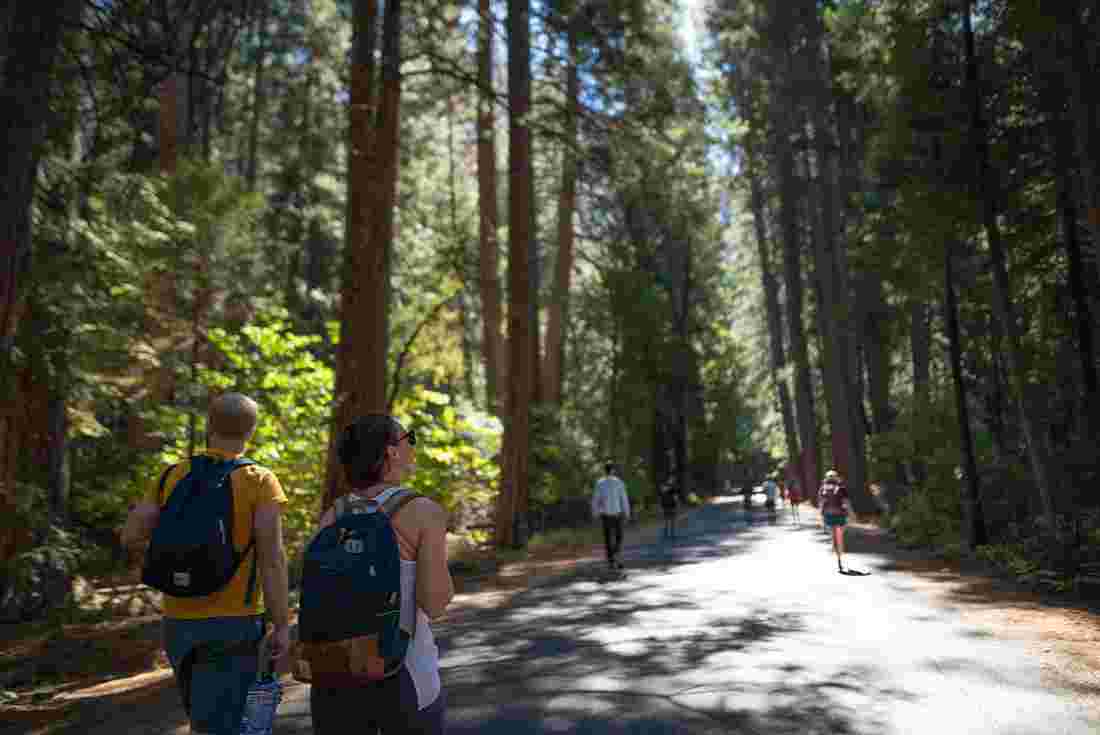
(215, 662)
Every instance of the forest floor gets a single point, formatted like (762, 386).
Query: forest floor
(119, 661)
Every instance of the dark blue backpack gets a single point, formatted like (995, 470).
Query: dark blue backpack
(349, 619)
(191, 553)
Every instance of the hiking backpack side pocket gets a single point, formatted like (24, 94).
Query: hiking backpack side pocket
(191, 552)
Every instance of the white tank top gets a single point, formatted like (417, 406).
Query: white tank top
(422, 656)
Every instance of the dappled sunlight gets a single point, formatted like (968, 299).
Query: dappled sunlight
(740, 631)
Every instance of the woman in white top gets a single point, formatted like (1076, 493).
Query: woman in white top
(377, 453)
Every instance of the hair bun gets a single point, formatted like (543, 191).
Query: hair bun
(347, 448)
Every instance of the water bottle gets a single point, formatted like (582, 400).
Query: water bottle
(263, 696)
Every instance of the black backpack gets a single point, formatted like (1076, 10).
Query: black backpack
(191, 553)
(349, 620)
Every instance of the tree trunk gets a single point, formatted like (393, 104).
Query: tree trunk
(845, 184)
(997, 422)
(553, 377)
(521, 386)
(58, 458)
(973, 532)
(492, 345)
(360, 360)
(1083, 321)
(25, 82)
(920, 346)
(832, 355)
(1083, 54)
(388, 148)
(613, 391)
(876, 321)
(775, 317)
(986, 187)
(810, 461)
(259, 98)
(24, 109)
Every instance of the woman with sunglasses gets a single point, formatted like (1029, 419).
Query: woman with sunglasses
(377, 454)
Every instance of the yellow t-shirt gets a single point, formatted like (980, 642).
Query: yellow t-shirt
(252, 485)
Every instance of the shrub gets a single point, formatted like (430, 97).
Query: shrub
(927, 517)
(1013, 557)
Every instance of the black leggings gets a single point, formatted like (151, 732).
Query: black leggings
(388, 707)
(612, 534)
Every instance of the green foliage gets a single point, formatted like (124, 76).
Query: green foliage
(1015, 558)
(269, 362)
(456, 448)
(561, 468)
(929, 434)
(928, 516)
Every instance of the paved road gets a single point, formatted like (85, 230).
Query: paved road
(735, 628)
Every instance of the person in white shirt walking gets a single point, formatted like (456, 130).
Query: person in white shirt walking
(611, 504)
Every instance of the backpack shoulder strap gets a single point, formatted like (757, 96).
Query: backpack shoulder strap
(396, 502)
(160, 485)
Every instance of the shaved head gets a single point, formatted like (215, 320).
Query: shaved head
(233, 416)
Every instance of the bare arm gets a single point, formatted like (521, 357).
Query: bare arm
(268, 525)
(139, 524)
(434, 586)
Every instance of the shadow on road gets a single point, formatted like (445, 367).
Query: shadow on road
(649, 653)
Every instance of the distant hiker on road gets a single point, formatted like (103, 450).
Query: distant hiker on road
(373, 577)
(215, 526)
(794, 498)
(832, 501)
(612, 506)
(669, 504)
(771, 490)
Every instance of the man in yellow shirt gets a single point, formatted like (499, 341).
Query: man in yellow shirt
(211, 641)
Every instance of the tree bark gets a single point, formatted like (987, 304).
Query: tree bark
(58, 457)
(876, 320)
(33, 36)
(920, 347)
(259, 98)
(460, 243)
(1084, 61)
(1082, 316)
(845, 183)
(24, 107)
(986, 188)
(360, 363)
(973, 532)
(832, 355)
(997, 422)
(771, 303)
(513, 500)
(810, 461)
(492, 343)
(553, 377)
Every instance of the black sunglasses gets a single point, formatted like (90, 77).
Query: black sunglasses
(410, 435)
